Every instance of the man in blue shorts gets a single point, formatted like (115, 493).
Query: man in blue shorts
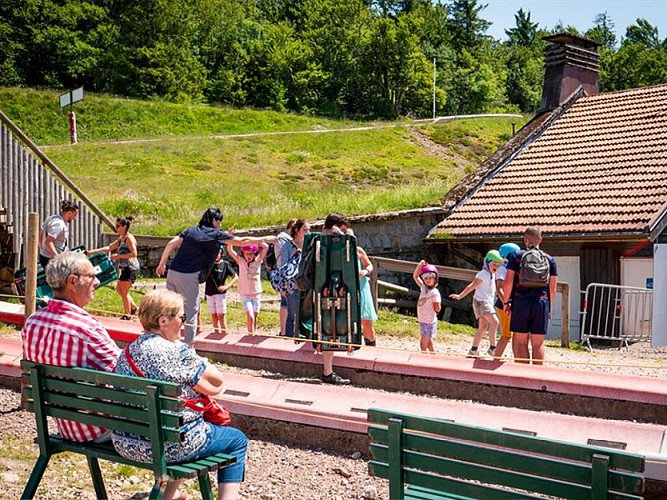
(530, 284)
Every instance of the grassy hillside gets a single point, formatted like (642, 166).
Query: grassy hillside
(165, 163)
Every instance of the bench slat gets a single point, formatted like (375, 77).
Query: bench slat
(85, 389)
(101, 378)
(443, 487)
(131, 414)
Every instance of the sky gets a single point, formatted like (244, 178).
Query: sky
(578, 13)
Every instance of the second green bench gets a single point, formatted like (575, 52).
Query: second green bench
(427, 458)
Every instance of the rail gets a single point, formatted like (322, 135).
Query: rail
(31, 182)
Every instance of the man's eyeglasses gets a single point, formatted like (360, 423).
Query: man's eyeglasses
(85, 275)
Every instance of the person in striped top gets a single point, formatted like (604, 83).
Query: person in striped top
(64, 334)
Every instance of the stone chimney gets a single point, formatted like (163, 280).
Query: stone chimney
(570, 62)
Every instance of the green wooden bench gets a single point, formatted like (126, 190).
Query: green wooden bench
(444, 459)
(141, 406)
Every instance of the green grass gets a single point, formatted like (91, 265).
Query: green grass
(178, 167)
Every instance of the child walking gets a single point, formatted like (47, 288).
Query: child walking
(250, 284)
(216, 292)
(428, 306)
(484, 286)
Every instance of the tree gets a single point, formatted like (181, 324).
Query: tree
(53, 43)
(603, 31)
(525, 32)
(399, 67)
(644, 34)
(154, 54)
(641, 60)
(467, 28)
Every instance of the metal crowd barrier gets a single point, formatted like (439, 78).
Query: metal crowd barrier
(614, 312)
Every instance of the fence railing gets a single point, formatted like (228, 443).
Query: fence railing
(31, 182)
(453, 273)
(615, 312)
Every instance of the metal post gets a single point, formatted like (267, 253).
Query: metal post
(31, 264)
(434, 88)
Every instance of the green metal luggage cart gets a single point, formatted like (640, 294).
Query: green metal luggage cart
(329, 313)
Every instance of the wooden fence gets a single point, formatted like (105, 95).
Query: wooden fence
(31, 182)
(453, 273)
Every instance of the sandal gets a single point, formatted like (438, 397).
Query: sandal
(125, 317)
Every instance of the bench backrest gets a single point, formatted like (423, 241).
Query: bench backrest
(473, 462)
(146, 407)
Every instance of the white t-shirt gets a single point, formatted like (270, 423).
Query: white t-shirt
(425, 311)
(56, 227)
(486, 291)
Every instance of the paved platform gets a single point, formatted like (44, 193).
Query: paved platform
(343, 409)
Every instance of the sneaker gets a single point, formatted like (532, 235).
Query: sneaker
(370, 343)
(491, 352)
(334, 378)
(473, 353)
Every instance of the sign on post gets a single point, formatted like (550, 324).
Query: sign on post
(69, 98)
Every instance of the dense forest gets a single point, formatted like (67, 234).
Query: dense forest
(370, 58)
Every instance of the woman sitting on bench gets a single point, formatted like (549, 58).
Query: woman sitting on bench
(159, 354)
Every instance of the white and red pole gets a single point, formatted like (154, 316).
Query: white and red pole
(72, 127)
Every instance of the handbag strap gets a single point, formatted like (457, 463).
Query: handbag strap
(131, 362)
(198, 404)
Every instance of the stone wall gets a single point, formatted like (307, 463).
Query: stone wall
(396, 235)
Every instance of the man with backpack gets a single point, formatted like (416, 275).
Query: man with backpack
(530, 284)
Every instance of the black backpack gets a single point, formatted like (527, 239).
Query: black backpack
(534, 269)
(270, 260)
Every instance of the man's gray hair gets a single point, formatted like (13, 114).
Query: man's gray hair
(61, 266)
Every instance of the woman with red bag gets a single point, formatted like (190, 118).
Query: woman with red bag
(159, 354)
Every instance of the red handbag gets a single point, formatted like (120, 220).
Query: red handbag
(213, 411)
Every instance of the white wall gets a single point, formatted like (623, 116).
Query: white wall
(659, 327)
(636, 271)
(568, 272)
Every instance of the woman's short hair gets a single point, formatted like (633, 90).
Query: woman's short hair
(61, 266)
(209, 216)
(158, 303)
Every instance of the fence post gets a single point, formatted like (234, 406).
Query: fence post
(31, 264)
(374, 282)
(565, 315)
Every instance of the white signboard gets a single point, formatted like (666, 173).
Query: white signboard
(71, 97)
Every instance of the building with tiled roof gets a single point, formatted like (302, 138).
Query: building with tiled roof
(590, 170)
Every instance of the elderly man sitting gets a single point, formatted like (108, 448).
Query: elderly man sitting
(64, 334)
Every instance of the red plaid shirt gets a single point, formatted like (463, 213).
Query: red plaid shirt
(63, 334)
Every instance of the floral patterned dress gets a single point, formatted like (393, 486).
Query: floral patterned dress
(176, 362)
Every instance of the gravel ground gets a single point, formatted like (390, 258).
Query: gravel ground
(275, 470)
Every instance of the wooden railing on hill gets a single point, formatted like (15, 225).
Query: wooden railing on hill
(454, 273)
(31, 182)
